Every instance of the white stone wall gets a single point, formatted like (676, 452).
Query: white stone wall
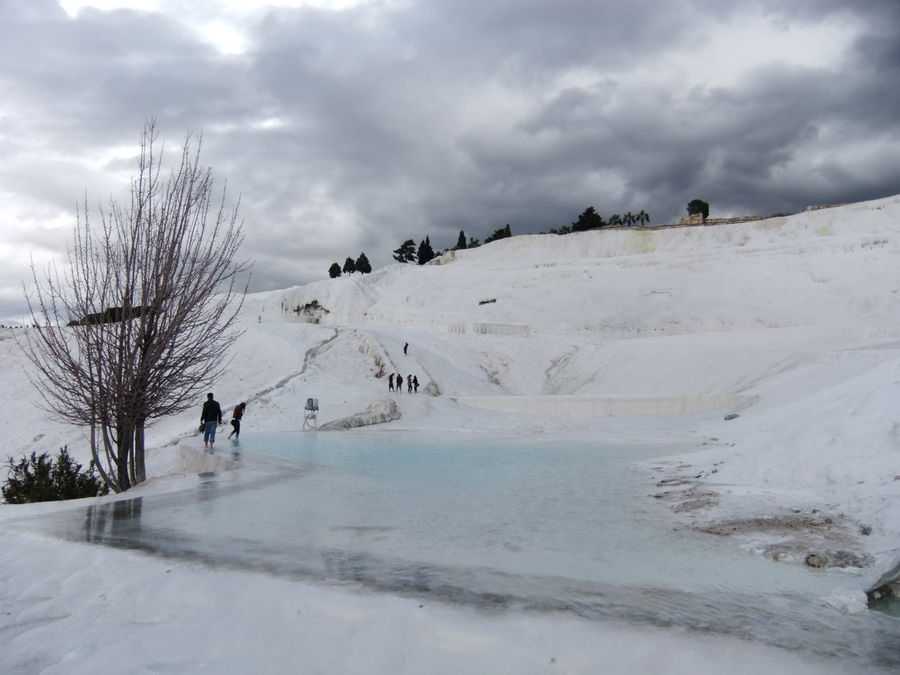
(608, 406)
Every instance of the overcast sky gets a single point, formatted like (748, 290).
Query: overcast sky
(348, 126)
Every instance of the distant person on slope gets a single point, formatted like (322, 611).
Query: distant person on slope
(236, 420)
(391, 382)
(210, 417)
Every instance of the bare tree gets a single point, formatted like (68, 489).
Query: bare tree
(143, 315)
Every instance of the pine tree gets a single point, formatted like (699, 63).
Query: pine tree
(588, 220)
(334, 271)
(461, 242)
(406, 253)
(501, 233)
(426, 253)
(38, 479)
(362, 264)
(349, 265)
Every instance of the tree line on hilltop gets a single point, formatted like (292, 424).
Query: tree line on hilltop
(407, 252)
(361, 265)
(589, 219)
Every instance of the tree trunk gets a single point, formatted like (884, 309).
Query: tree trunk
(125, 444)
(140, 471)
(98, 461)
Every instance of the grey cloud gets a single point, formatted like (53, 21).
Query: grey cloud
(442, 116)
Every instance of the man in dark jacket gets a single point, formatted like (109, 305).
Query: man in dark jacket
(210, 417)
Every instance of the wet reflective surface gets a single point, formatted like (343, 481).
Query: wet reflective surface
(539, 526)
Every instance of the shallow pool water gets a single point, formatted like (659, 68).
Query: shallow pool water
(542, 524)
(544, 507)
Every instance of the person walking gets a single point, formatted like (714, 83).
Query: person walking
(210, 417)
(391, 382)
(399, 383)
(415, 384)
(236, 416)
(409, 384)
(405, 347)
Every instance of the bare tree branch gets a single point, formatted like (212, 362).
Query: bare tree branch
(143, 315)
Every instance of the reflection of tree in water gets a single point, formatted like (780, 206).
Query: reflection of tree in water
(208, 492)
(106, 523)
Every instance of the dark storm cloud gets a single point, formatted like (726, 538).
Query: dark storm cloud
(352, 131)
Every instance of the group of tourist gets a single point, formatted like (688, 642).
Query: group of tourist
(395, 383)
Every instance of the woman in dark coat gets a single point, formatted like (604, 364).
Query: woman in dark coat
(236, 420)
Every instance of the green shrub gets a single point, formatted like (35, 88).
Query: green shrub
(38, 479)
